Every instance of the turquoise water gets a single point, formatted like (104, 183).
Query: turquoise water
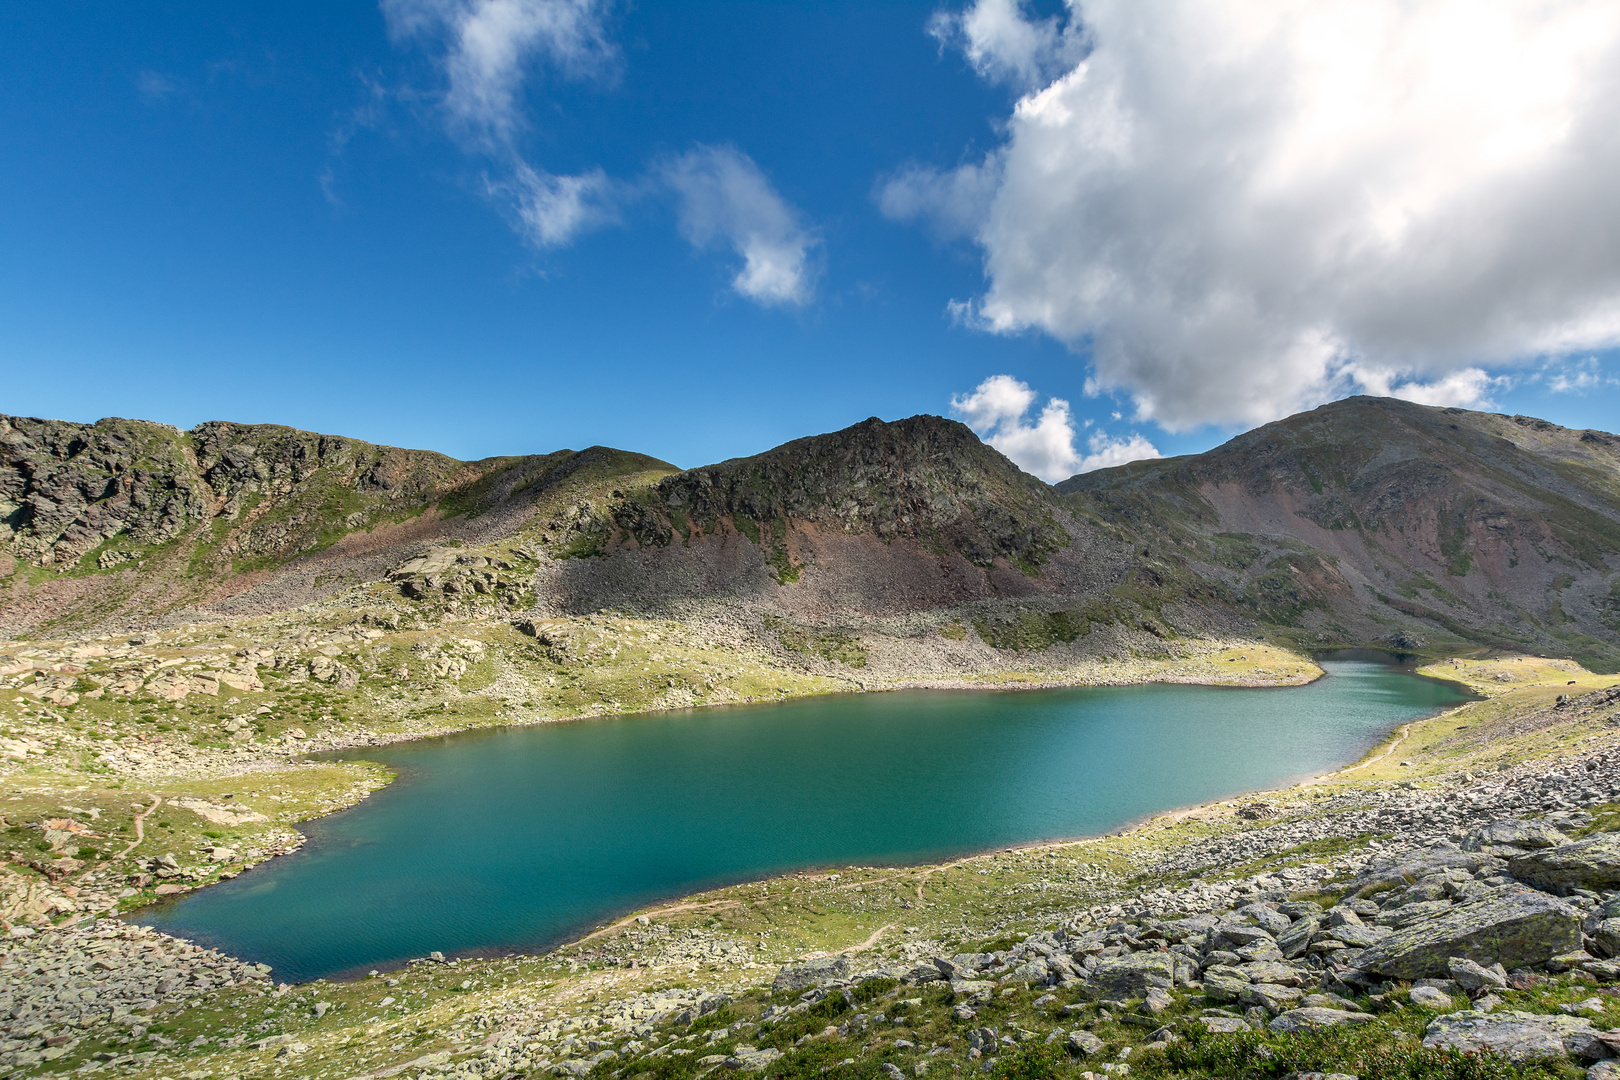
(523, 837)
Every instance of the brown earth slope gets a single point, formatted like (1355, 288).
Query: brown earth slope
(1374, 519)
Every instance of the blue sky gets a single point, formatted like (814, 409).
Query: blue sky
(784, 218)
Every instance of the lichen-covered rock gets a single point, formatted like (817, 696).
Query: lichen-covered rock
(1313, 1018)
(1273, 971)
(1525, 835)
(1516, 929)
(1405, 871)
(821, 972)
(1518, 1036)
(1131, 976)
(1083, 1043)
(1222, 983)
(1293, 941)
(1432, 997)
(748, 1059)
(1272, 997)
(1355, 935)
(1471, 976)
(1607, 936)
(1224, 1025)
(1585, 864)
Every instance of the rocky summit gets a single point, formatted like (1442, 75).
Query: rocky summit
(188, 615)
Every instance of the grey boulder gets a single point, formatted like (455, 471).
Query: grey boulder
(1224, 1025)
(1131, 976)
(1223, 983)
(1315, 1018)
(1528, 835)
(749, 1059)
(1471, 976)
(1585, 864)
(1403, 872)
(823, 972)
(1518, 1036)
(1517, 929)
(1293, 941)
(1083, 1043)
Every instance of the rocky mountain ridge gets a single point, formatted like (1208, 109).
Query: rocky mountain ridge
(1365, 522)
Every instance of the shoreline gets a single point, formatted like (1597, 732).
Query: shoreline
(485, 1017)
(683, 901)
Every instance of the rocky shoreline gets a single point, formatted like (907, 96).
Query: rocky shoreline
(1462, 899)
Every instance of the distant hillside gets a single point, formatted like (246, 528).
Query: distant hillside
(1372, 519)
(1367, 521)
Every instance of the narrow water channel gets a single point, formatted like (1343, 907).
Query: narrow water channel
(523, 837)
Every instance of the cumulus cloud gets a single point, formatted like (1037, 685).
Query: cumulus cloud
(488, 46)
(723, 198)
(1003, 44)
(1242, 208)
(998, 410)
(1469, 387)
(1108, 451)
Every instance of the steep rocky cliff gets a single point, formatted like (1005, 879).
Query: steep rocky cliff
(66, 490)
(126, 520)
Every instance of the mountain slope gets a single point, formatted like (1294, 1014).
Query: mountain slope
(1376, 519)
(126, 520)
(1365, 521)
(875, 520)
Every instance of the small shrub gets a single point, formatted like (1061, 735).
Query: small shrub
(1032, 1063)
(872, 989)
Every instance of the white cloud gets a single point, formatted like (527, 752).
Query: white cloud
(1242, 208)
(722, 197)
(154, 86)
(488, 45)
(552, 210)
(487, 48)
(1576, 376)
(1108, 451)
(1002, 44)
(952, 204)
(998, 409)
(1469, 387)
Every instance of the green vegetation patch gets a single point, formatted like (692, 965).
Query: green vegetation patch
(1371, 1052)
(834, 645)
(1031, 630)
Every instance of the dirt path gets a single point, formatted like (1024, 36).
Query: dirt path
(869, 942)
(1400, 736)
(140, 827)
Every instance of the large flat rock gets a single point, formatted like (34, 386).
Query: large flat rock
(1517, 930)
(1314, 1018)
(1585, 864)
(824, 971)
(1520, 1036)
(1131, 976)
(1514, 832)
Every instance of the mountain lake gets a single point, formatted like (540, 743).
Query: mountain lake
(523, 838)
